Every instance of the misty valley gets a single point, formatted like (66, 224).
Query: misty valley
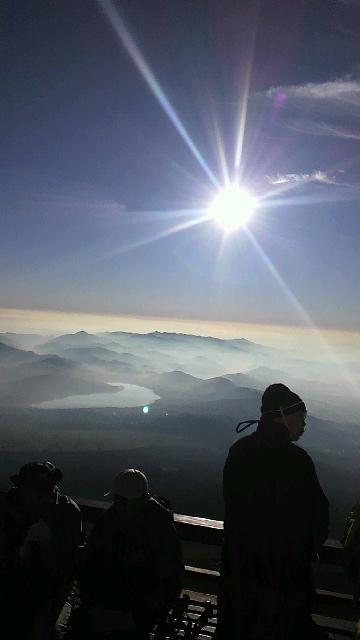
(169, 404)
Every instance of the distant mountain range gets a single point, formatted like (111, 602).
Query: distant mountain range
(13, 355)
(27, 378)
(155, 340)
(174, 365)
(25, 341)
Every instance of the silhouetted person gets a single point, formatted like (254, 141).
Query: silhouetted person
(276, 519)
(132, 570)
(40, 532)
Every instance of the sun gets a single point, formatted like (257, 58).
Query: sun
(232, 207)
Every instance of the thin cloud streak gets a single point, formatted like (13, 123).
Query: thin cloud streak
(344, 91)
(283, 183)
(325, 108)
(298, 179)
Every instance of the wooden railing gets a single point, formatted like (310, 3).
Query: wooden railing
(333, 609)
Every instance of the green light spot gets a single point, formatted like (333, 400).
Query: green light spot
(145, 409)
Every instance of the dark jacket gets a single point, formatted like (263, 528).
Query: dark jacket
(63, 517)
(26, 586)
(133, 561)
(276, 517)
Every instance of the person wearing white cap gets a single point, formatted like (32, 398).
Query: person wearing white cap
(129, 484)
(133, 566)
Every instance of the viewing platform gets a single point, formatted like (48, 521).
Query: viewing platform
(334, 609)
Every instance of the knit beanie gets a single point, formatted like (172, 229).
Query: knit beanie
(279, 399)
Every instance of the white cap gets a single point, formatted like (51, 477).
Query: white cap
(130, 484)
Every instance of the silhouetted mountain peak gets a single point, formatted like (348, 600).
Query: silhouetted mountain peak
(179, 377)
(267, 372)
(14, 353)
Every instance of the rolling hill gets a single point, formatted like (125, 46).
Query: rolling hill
(27, 378)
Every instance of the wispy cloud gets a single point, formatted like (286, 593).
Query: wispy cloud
(299, 179)
(326, 108)
(309, 188)
(344, 91)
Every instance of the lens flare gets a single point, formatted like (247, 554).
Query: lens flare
(126, 39)
(232, 208)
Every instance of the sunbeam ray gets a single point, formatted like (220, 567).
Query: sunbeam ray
(220, 150)
(138, 59)
(340, 195)
(244, 99)
(305, 317)
(242, 119)
(154, 238)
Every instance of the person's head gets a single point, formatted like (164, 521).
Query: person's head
(283, 405)
(130, 489)
(37, 483)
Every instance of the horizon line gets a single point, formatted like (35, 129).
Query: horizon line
(19, 320)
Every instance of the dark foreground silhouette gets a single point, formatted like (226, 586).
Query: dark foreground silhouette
(130, 571)
(276, 519)
(40, 533)
(132, 567)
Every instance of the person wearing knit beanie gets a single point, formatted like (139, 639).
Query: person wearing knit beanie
(286, 407)
(276, 520)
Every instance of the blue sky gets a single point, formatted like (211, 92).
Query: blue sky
(94, 174)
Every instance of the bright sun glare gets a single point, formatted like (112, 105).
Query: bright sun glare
(232, 207)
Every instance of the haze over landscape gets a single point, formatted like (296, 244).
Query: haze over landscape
(139, 319)
(168, 402)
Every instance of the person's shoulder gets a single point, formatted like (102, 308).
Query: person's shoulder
(302, 456)
(108, 517)
(300, 453)
(160, 509)
(240, 446)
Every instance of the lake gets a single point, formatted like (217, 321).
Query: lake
(131, 395)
